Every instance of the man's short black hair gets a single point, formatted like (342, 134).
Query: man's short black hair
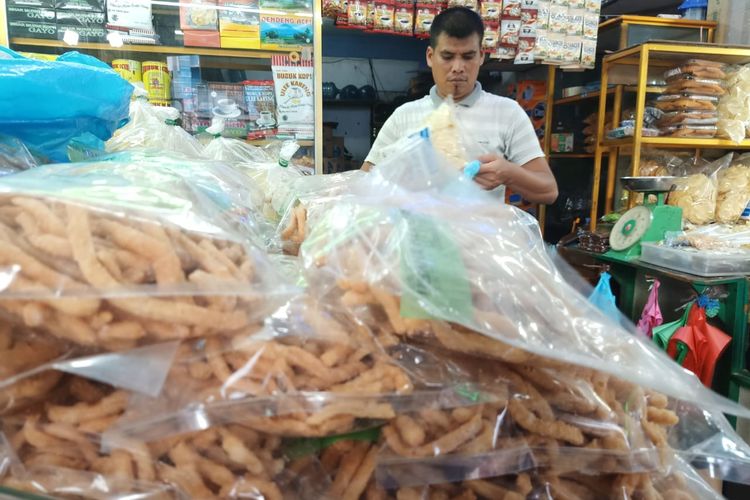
(456, 22)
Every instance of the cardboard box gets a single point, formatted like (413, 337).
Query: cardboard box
(234, 42)
(201, 38)
(288, 32)
(219, 95)
(242, 17)
(260, 98)
(40, 4)
(28, 29)
(81, 5)
(82, 19)
(94, 34)
(30, 14)
(199, 15)
(561, 143)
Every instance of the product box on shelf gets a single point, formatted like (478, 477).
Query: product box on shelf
(285, 32)
(199, 15)
(287, 5)
(42, 4)
(133, 14)
(81, 5)
(261, 108)
(238, 18)
(81, 19)
(33, 29)
(240, 42)
(199, 38)
(30, 14)
(92, 34)
(227, 100)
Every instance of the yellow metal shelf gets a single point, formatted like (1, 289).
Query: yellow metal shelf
(153, 49)
(681, 142)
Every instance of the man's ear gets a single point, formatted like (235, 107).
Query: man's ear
(430, 53)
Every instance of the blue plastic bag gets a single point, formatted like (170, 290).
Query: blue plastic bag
(46, 104)
(603, 298)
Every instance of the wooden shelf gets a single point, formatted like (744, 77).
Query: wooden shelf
(681, 142)
(153, 49)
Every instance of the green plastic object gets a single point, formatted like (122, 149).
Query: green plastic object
(663, 333)
(645, 223)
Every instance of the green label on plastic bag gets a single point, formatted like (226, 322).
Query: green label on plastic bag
(433, 273)
(302, 447)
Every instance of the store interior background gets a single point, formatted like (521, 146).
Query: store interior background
(395, 67)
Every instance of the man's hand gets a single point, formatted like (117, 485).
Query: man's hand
(533, 180)
(494, 171)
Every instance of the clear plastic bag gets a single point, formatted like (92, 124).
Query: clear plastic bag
(15, 156)
(688, 117)
(404, 235)
(446, 134)
(734, 106)
(698, 68)
(153, 127)
(111, 255)
(695, 131)
(692, 84)
(684, 101)
(312, 195)
(232, 151)
(734, 191)
(696, 193)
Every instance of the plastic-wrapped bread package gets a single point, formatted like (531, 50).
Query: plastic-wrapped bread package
(446, 134)
(734, 106)
(733, 190)
(312, 195)
(697, 192)
(154, 127)
(128, 253)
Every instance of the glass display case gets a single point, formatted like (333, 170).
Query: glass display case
(254, 63)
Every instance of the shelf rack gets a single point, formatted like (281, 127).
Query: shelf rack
(633, 64)
(153, 49)
(259, 59)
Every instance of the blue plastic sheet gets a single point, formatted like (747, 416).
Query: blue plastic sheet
(46, 104)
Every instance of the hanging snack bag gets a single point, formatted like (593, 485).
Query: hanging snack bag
(383, 17)
(491, 11)
(403, 19)
(491, 37)
(511, 9)
(423, 23)
(357, 14)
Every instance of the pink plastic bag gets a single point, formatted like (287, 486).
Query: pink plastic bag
(651, 315)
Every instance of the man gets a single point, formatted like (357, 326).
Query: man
(501, 135)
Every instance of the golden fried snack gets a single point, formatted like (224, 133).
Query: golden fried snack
(79, 267)
(22, 350)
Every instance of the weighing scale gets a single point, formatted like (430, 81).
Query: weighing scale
(647, 222)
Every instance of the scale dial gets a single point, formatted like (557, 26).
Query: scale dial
(630, 228)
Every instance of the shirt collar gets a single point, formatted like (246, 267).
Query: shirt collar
(466, 102)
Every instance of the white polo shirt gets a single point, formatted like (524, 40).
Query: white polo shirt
(489, 123)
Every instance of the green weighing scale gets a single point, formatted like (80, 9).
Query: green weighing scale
(647, 222)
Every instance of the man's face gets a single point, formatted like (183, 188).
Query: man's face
(455, 64)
